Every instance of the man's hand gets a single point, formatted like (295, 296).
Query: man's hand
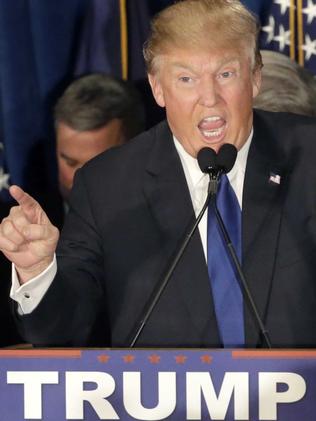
(27, 237)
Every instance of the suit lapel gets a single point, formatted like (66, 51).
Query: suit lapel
(165, 187)
(169, 200)
(261, 217)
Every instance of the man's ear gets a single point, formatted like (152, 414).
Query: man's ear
(156, 89)
(256, 82)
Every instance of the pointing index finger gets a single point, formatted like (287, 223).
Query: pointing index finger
(31, 209)
(25, 200)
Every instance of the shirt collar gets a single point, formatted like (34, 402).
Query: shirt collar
(241, 160)
(190, 164)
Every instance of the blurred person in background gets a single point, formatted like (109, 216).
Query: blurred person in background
(95, 113)
(286, 86)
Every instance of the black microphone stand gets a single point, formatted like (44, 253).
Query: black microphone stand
(171, 268)
(211, 196)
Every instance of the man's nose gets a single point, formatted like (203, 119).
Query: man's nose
(208, 94)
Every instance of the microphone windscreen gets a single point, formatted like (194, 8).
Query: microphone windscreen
(226, 157)
(206, 159)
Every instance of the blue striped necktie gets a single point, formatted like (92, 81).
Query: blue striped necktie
(227, 295)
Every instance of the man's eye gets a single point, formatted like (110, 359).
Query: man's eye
(185, 79)
(226, 75)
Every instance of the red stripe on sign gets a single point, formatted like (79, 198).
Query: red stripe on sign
(39, 353)
(290, 354)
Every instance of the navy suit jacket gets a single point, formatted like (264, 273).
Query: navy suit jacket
(130, 208)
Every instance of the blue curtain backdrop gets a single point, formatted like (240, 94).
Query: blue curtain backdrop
(37, 41)
(100, 44)
(99, 40)
(44, 43)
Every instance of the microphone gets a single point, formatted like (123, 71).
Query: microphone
(226, 157)
(215, 166)
(206, 158)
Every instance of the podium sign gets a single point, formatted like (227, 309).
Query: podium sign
(177, 385)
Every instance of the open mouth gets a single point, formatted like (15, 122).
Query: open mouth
(212, 127)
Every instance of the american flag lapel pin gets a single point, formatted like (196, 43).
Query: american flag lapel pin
(274, 178)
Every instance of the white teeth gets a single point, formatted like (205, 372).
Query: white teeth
(213, 118)
(212, 133)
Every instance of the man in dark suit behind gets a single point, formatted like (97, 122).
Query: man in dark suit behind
(131, 206)
(94, 113)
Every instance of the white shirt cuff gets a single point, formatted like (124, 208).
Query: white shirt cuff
(30, 294)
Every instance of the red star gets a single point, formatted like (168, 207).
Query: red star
(103, 358)
(128, 358)
(154, 359)
(180, 359)
(206, 359)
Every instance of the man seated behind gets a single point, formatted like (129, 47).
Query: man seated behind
(286, 86)
(94, 113)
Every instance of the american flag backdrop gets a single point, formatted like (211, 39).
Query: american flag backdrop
(289, 26)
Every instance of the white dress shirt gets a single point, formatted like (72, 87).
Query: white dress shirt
(30, 294)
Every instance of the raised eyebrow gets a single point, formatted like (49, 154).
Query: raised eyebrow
(180, 66)
(229, 63)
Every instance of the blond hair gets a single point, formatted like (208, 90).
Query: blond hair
(202, 24)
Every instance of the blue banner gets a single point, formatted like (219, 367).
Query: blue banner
(157, 385)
